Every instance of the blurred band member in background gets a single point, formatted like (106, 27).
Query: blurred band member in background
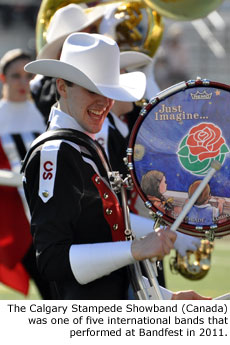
(20, 123)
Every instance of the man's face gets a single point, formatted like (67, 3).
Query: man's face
(17, 81)
(88, 108)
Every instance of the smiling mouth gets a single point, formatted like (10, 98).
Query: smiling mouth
(97, 113)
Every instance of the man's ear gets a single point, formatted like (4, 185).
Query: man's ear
(61, 87)
(2, 78)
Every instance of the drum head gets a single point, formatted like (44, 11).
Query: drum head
(172, 145)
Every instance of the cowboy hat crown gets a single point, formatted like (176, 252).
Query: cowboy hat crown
(93, 47)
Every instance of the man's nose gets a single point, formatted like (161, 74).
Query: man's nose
(102, 100)
(24, 80)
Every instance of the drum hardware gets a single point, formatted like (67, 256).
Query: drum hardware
(175, 88)
(194, 82)
(210, 235)
(142, 103)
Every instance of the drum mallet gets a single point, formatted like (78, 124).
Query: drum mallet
(215, 166)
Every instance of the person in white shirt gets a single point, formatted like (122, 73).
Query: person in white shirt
(17, 111)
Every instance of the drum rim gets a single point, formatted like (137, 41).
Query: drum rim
(198, 231)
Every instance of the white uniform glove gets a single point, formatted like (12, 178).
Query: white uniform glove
(185, 242)
(109, 22)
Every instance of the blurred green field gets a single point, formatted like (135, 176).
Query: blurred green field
(215, 283)
(217, 280)
(10, 294)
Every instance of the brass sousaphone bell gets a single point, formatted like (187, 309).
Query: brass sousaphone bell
(174, 9)
(141, 28)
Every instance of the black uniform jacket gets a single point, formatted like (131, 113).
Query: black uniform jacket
(75, 214)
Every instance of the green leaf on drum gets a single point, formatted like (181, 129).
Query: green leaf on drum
(224, 149)
(192, 158)
(184, 151)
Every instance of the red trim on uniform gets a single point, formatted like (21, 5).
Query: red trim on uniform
(15, 237)
(110, 203)
(17, 278)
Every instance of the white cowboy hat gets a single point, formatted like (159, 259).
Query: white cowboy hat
(93, 62)
(66, 20)
(137, 61)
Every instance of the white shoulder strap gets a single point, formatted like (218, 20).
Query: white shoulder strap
(48, 167)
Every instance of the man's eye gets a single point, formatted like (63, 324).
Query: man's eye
(91, 92)
(15, 76)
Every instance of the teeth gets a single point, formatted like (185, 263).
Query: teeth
(97, 112)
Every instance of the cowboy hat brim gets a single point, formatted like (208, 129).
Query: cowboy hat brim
(133, 60)
(131, 87)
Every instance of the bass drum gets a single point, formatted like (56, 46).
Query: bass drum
(172, 145)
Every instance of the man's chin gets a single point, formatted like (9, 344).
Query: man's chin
(96, 129)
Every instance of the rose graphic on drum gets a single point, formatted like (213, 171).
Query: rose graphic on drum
(200, 147)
